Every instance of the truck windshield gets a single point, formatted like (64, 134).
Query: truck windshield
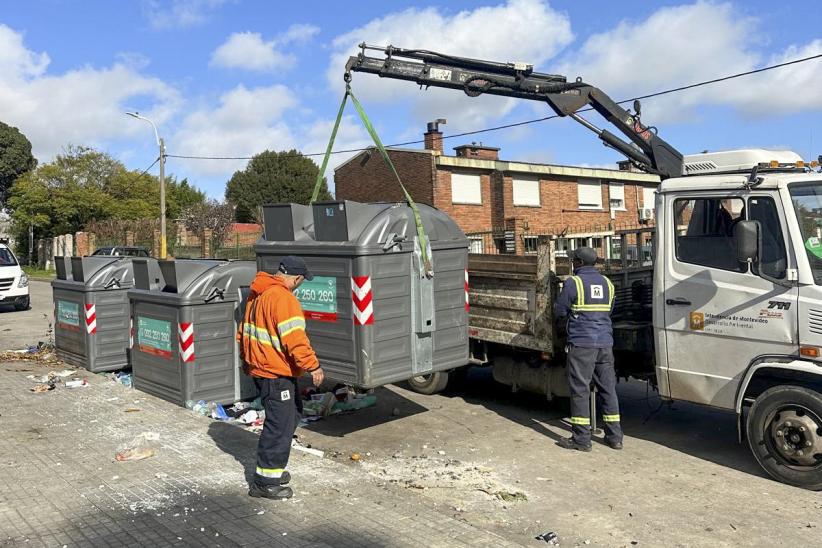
(807, 201)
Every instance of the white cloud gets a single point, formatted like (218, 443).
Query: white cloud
(687, 44)
(527, 30)
(165, 14)
(246, 122)
(81, 106)
(248, 50)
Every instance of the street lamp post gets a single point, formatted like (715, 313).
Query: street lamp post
(162, 145)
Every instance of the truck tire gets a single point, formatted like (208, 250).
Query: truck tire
(432, 383)
(784, 430)
(25, 304)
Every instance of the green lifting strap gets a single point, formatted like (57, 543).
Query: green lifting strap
(423, 239)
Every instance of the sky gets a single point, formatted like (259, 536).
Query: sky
(236, 77)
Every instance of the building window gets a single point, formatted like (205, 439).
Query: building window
(526, 192)
(529, 244)
(616, 195)
(562, 247)
(466, 189)
(589, 194)
(475, 244)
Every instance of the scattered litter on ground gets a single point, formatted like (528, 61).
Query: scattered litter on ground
(299, 447)
(139, 448)
(355, 457)
(330, 404)
(76, 383)
(40, 388)
(131, 410)
(550, 537)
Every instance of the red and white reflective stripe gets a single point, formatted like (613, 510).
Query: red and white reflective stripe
(91, 319)
(131, 332)
(467, 306)
(362, 299)
(186, 332)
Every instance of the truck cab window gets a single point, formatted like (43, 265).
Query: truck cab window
(773, 258)
(807, 203)
(704, 232)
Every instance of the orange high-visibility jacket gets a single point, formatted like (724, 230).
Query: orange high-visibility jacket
(272, 335)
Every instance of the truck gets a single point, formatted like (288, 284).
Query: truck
(728, 313)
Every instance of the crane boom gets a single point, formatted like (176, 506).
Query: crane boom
(476, 77)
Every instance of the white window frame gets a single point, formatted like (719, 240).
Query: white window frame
(533, 241)
(476, 243)
(528, 195)
(619, 189)
(589, 205)
(469, 188)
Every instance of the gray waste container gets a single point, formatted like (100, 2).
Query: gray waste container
(184, 345)
(91, 310)
(373, 316)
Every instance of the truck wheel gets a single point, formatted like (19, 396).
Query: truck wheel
(433, 383)
(25, 304)
(785, 435)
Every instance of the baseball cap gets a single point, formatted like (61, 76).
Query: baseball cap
(295, 266)
(586, 255)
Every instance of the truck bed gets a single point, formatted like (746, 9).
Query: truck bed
(512, 296)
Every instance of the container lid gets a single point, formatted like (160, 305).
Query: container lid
(196, 280)
(101, 272)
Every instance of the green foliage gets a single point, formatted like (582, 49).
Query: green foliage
(273, 177)
(83, 185)
(15, 158)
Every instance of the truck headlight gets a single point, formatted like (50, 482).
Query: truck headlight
(24, 280)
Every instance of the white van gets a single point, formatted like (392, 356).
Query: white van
(14, 283)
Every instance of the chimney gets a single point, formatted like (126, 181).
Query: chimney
(433, 137)
(477, 150)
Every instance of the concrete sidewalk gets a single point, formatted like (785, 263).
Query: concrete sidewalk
(61, 486)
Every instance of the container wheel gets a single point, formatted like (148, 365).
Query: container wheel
(785, 435)
(432, 383)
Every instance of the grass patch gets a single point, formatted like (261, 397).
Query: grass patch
(34, 272)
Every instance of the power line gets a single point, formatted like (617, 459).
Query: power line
(134, 179)
(525, 122)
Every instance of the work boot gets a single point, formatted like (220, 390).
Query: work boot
(569, 443)
(275, 492)
(613, 444)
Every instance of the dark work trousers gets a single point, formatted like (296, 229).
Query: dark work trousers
(282, 413)
(585, 364)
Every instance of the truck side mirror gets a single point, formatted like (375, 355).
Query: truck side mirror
(746, 235)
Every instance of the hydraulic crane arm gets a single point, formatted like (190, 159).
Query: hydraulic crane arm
(475, 77)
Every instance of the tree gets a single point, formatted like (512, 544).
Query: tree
(213, 215)
(15, 159)
(83, 185)
(273, 177)
(181, 196)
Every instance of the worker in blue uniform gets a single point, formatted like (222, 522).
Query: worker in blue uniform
(585, 306)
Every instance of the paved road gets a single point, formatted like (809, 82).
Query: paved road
(20, 329)
(475, 465)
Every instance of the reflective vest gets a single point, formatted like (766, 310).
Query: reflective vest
(592, 299)
(272, 337)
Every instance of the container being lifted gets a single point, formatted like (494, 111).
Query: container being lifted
(91, 310)
(184, 334)
(374, 315)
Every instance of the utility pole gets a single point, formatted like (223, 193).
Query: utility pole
(162, 145)
(163, 248)
(31, 242)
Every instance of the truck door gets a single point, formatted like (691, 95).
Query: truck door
(720, 313)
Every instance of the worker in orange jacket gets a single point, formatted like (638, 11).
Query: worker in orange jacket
(276, 351)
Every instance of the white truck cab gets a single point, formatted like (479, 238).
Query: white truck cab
(14, 283)
(738, 300)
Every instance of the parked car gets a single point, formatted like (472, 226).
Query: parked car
(14, 283)
(123, 251)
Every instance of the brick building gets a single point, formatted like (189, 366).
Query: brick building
(484, 194)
